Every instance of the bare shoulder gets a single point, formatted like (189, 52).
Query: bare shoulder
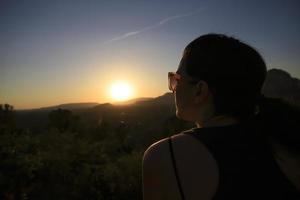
(196, 167)
(158, 179)
(158, 151)
(154, 151)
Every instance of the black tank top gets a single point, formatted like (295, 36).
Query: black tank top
(247, 169)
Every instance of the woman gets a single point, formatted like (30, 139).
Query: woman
(244, 146)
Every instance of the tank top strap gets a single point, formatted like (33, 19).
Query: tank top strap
(175, 168)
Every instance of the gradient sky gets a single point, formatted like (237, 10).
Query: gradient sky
(55, 52)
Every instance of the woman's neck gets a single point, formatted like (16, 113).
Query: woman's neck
(221, 120)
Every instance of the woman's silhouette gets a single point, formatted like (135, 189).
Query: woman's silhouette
(245, 145)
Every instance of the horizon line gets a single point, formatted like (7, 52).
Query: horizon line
(98, 103)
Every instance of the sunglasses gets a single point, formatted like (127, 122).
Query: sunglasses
(173, 79)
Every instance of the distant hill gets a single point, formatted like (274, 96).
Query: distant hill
(132, 101)
(69, 106)
(141, 110)
(280, 84)
(144, 110)
(165, 99)
(38, 118)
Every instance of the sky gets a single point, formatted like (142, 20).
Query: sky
(55, 52)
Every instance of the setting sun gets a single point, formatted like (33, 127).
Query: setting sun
(121, 91)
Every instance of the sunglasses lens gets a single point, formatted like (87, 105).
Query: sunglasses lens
(172, 81)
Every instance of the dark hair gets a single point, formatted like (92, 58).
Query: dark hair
(235, 73)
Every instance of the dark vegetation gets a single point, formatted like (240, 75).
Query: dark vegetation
(90, 153)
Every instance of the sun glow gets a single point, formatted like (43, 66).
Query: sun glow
(121, 91)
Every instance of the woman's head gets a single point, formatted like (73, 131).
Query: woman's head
(220, 75)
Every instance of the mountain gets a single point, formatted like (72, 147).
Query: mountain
(132, 101)
(69, 106)
(37, 119)
(150, 114)
(280, 84)
(141, 110)
(166, 99)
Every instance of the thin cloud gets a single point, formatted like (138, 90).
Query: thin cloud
(162, 22)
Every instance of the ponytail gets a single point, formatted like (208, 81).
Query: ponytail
(279, 119)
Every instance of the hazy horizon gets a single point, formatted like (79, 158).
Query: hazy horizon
(87, 102)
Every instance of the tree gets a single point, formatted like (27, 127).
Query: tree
(7, 116)
(63, 119)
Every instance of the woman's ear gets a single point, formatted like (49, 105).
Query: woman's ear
(201, 91)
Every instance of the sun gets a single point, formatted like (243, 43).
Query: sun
(121, 91)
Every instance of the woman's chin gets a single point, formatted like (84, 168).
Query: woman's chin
(178, 114)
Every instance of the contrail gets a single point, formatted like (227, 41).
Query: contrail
(162, 22)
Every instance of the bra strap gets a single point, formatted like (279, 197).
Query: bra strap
(175, 168)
